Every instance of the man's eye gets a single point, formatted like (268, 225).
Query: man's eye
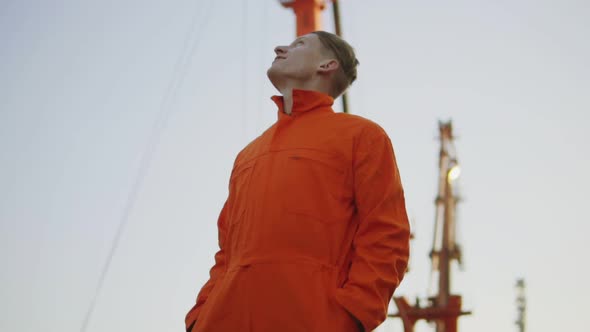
(296, 43)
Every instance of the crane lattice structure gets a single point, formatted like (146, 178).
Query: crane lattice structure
(444, 308)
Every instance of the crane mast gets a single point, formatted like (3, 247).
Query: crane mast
(444, 245)
(444, 308)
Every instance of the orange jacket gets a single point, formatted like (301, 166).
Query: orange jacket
(314, 235)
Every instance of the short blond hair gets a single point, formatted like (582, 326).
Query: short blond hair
(344, 53)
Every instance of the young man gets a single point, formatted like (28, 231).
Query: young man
(314, 235)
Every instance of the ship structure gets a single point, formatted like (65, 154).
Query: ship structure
(444, 308)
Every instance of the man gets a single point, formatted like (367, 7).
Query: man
(314, 235)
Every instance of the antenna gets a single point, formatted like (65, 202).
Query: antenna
(520, 304)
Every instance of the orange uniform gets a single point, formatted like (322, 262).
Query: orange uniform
(314, 235)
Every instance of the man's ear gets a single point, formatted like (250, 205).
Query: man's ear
(328, 66)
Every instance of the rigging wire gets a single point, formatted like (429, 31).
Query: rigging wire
(179, 73)
(261, 57)
(245, 45)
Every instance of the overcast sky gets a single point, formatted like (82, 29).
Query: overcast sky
(85, 84)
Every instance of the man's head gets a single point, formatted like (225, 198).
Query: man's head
(317, 61)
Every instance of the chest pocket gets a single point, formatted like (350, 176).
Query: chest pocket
(239, 188)
(316, 184)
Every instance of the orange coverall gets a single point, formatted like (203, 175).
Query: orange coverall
(314, 235)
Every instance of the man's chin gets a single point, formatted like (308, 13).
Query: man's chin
(272, 71)
(275, 77)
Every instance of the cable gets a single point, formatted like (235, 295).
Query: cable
(261, 58)
(245, 47)
(178, 76)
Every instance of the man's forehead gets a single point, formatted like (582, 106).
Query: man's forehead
(307, 37)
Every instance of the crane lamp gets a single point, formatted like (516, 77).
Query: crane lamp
(454, 173)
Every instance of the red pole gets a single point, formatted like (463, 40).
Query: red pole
(308, 13)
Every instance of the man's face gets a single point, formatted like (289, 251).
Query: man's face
(298, 61)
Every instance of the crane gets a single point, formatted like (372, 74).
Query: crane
(444, 308)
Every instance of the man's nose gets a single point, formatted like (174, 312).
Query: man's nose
(280, 50)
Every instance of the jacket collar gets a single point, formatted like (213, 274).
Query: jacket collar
(305, 101)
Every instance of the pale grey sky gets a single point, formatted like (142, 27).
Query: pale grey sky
(82, 84)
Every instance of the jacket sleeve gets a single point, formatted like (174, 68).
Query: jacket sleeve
(380, 248)
(216, 272)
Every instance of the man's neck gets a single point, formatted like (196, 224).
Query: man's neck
(287, 93)
(287, 100)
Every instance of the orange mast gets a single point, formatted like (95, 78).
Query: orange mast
(308, 13)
